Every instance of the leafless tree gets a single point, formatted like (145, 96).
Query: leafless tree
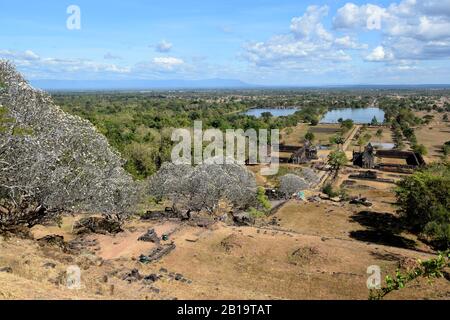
(201, 188)
(51, 161)
(291, 184)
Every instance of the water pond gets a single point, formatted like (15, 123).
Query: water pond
(360, 116)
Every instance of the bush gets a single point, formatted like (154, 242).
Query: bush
(263, 200)
(420, 149)
(256, 214)
(329, 191)
(424, 201)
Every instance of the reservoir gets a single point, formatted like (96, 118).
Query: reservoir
(275, 112)
(360, 116)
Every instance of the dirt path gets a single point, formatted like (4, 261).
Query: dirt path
(345, 146)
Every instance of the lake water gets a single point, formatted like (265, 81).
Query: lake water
(362, 116)
(383, 145)
(275, 112)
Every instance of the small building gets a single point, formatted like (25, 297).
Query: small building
(365, 159)
(305, 154)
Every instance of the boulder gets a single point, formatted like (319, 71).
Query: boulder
(150, 236)
(98, 225)
(243, 219)
(6, 269)
(54, 241)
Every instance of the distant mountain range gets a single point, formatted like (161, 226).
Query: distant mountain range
(80, 85)
(142, 85)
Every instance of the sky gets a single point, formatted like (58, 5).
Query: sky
(267, 42)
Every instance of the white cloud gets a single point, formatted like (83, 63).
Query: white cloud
(380, 54)
(309, 25)
(308, 41)
(168, 63)
(27, 55)
(49, 67)
(347, 42)
(412, 29)
(164, 46)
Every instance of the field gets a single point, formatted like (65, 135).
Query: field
(323, 132)
(315, 253)
(433, 137)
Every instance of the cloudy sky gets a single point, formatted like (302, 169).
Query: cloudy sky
(271, 42)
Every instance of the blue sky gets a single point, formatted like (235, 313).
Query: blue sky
(267, 42)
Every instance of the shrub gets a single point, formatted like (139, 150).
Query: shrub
(263, 200)
(424, 201)
(329, 191)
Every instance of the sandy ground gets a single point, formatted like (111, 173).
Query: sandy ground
(433, 138)
(309, 255)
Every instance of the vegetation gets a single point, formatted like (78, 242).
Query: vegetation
(290, 184)
(139, 125)
(262, 198)
(424, 201)
(202, 188)
(336, 160)
(420, 149)
(310, 136)
(52, 162)
(329, 190)
(430, 269)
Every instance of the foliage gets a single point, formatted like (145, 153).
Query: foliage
(257, 214)
(309, 136)
(291, 184)
(374, 121)
(329, 191)
(53, 162)
(336, 160)
(337, 140)
(379, 133)
(347, 125)
(203, 187)
(446, 148)
(420, 149)
(430, 269)
(262, 198)
(140, 125)
(424, 201)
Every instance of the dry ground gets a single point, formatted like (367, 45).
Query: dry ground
(322, 133)
(311, 254)
(433, 138)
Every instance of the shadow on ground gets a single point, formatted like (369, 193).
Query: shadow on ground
(382, 228)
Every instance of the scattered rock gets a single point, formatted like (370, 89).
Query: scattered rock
(157, 253)
(132, 276)
(178, 277)
(243, 219)
(98, 225)
(150, 236)
(202, 222)
(361, 201)
(163, 270)
(6, 269)
(155, 290)
(54, 241)
(152, 278)
(49, 265)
